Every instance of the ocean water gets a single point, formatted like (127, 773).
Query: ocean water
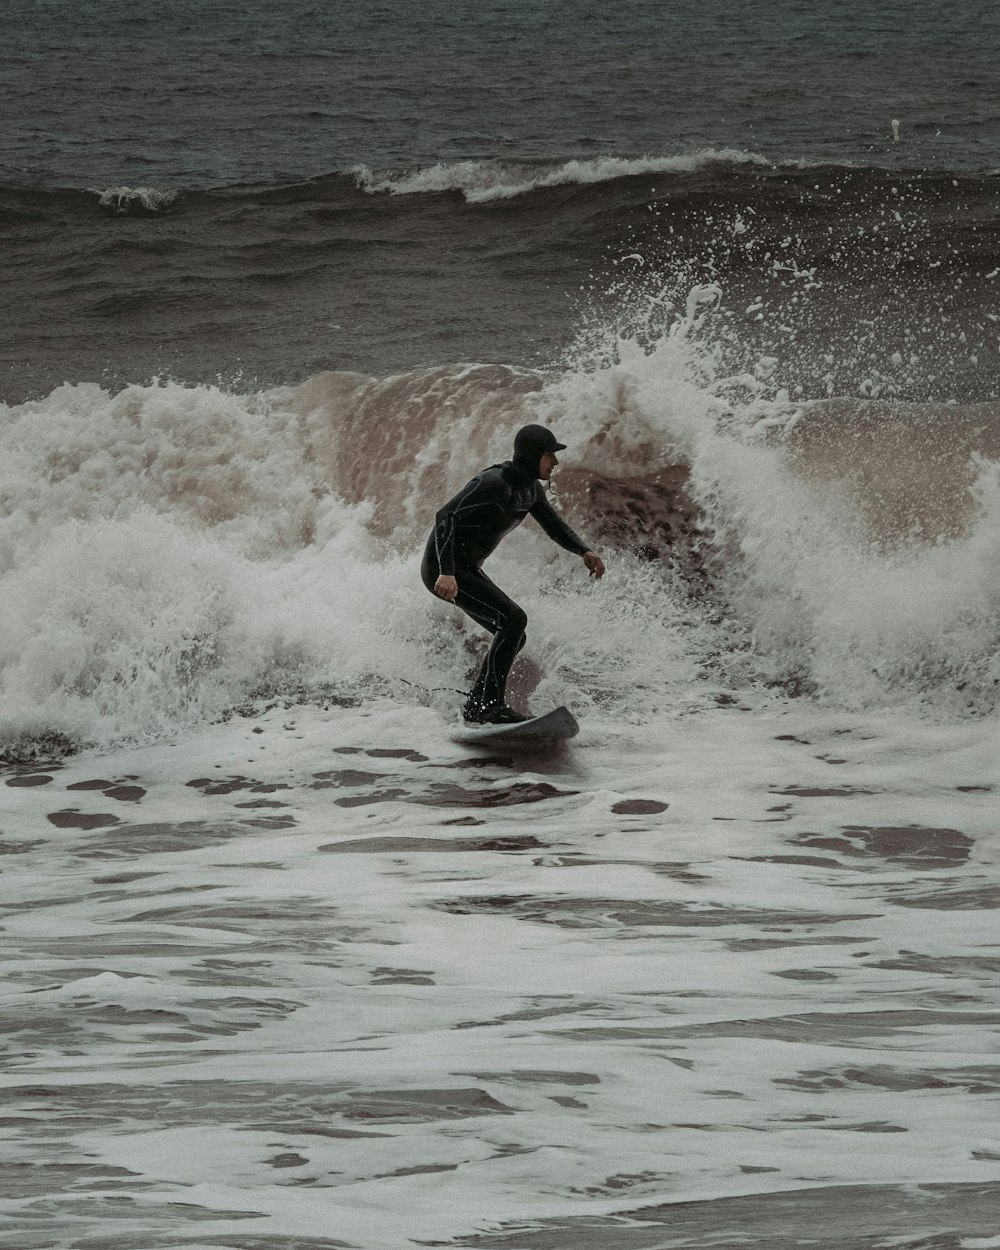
(284, 967)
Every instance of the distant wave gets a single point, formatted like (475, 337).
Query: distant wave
(491, 180)
(134, 199)
(477, 180)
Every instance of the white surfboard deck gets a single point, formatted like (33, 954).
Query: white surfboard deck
(554, 726)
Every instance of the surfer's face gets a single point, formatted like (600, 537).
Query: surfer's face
(547, 463)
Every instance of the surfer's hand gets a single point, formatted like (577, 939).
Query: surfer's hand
(447, 588)
(594, 563)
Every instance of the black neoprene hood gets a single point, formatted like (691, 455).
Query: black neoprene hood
(531, 443)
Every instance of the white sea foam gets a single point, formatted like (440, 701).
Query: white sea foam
(331, 977)
(127, 199)
(480, 181)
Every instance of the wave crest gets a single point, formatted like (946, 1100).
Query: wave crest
(135, 199)
(480, 181)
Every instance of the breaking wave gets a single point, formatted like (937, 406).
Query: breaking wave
(135, 199)
(169, 553)
(481, 181)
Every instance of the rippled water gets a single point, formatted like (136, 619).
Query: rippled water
(218, 93)
(324, 979)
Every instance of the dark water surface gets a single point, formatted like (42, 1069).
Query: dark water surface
(212, 93)
(849, 279)
(220, 191)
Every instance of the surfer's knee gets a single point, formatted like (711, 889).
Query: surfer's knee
(517, 620)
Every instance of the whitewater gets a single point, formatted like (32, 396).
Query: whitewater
(286, 967)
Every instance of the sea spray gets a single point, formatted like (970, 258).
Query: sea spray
(835, 283)
(839, 587)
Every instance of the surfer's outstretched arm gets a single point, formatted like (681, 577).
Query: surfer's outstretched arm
(557, 529)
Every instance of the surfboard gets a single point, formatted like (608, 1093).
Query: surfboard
(555, 726)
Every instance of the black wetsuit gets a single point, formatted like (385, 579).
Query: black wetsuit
(467, 530)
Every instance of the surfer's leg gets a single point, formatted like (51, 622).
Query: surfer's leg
(487, 604)
(489, 607)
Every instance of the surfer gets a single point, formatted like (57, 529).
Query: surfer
(468, 529)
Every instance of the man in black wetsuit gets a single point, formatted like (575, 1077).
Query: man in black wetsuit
(468, 529)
